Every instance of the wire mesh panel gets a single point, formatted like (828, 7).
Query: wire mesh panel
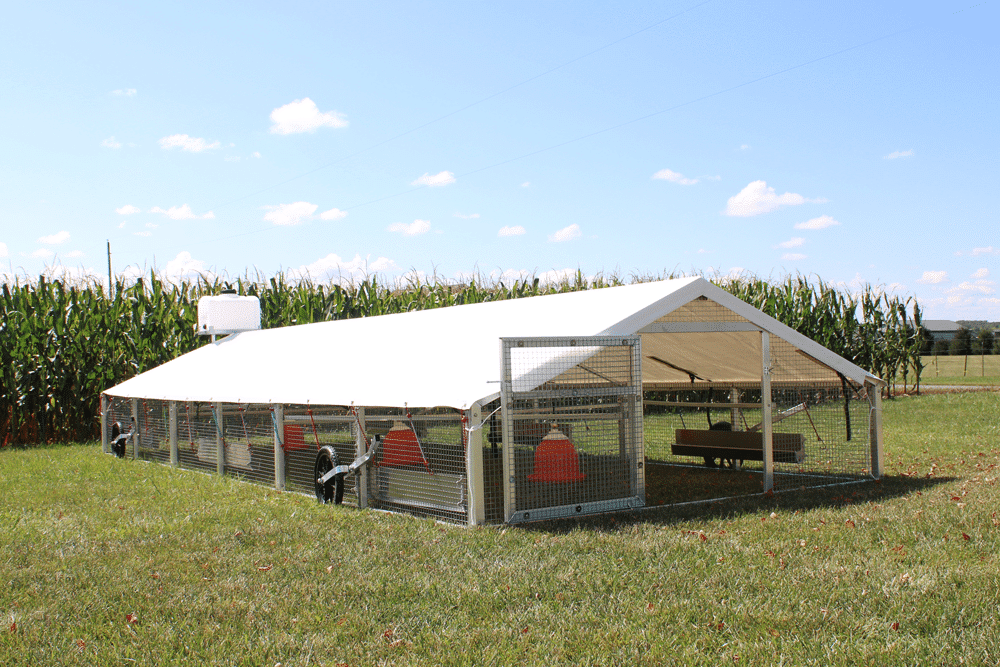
(691, 438)
(152, 430)
(420, 466)
(572, 426)
(306, 429)
(831, 417)
(197, 436)
(248, 442)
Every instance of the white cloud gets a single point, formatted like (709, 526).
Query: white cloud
(183, 212)
(898, 154)
(124, 92)
(988, 250)
(436, 180)
(470, 216)
(673, 177)
(42, 253)
(566, 234)
(189, 144)
(121, 225)
(333, 214)
(303, 116)
(757, 198)
(290, 214)
(185, 267)
(793, 256)
(516, 230)
(111, 142)
(794, 242)
(255, 154)
(744, 147)
(142, 234)
(151, 225)
(933, 277)
(982, 286)
(526, 184)
(981, 274)
(3, 249)
(55, 239)
(822, 222)
(417, 227)
(332, 267)
(127, 209)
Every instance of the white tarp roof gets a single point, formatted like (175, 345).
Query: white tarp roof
(450, 356)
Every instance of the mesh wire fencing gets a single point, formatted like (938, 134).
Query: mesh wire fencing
(420, 467)
(572, 426)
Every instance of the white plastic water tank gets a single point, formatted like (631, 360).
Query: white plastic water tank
(227, 313)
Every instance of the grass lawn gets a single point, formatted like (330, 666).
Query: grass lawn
(949, 370)
(110, 562)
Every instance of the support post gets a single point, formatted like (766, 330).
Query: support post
(104, 424)
(361, 447)
(135, 431)
(875, 431)
(172, 432)
(220, 450)
(474, 466)
(766, 407)
(734, 413)
(279, 446)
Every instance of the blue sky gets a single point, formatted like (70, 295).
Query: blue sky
(852, 141)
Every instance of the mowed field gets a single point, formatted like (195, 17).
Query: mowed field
(958, 370)
(111, 562)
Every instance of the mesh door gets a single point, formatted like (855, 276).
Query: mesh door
(572, 426)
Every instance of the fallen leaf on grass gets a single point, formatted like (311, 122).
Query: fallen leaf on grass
(131, 618)
(773, 632)
(329, 569)
(966, 537)
(265, 568)
(13, 627)
(895, 625)
(80, 645)
(849, 523)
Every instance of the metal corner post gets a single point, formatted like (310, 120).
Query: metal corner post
(361, 448)
(875, 435)
(766, 407)
(474, 466)
(279, 446)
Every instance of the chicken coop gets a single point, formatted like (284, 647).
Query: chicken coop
(503, 412)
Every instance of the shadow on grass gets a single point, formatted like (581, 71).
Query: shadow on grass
(830, 497)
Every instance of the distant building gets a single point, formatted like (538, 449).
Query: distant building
(942, 329)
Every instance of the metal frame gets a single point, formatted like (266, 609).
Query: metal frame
(632, 389)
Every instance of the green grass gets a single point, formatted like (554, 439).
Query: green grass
(109, 562)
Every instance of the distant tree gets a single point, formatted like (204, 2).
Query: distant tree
(941, 346)
(985, 340)
(961, 342)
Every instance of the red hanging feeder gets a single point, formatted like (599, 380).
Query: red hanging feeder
(556, 459)
(294, 437)
(401, 447)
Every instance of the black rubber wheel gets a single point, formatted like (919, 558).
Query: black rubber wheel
(117, 446)
(333, 490)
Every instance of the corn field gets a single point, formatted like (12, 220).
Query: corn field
(64, 342)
